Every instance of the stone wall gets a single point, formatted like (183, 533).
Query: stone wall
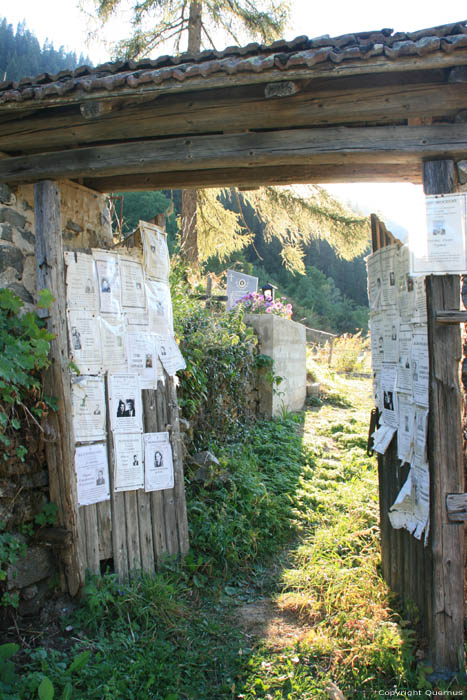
(24, 485)
(285, 342)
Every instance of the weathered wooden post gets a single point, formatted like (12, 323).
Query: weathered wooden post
(60, 446)
(445, 451)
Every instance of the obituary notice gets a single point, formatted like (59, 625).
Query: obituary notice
(83, 329)
(155, 252)
(132, 283)
(125, 406)
(108, 278)
(89, 409)
(92, 474)
(129, 465)
(81, 281)
(158, 462)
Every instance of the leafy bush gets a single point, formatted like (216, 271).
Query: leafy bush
(350, 353)
(219, 351)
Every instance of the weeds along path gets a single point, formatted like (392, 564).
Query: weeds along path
(330, 618)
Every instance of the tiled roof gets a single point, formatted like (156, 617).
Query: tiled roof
(282, 55)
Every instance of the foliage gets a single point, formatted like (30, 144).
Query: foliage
(219, 352)
(221, 230)
(255, 303)
(351, 353)
(24, 349)
(156, 22)
(21, 54)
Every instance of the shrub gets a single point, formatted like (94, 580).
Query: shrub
(255, 303)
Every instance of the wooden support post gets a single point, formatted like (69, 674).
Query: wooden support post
(60, 447)
(445, 452)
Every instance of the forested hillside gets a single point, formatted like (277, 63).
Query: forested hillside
(21, 54)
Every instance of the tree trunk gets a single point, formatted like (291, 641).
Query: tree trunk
(189, 243)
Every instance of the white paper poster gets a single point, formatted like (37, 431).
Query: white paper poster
(83, 329)
(159, 307)
(405, 431)
(155, 251)
(108, 278)
(411, 508)
(377, 394)
(112, 334)
(81, 281)
(391, 335)
(375, 280)
(170, 355)
(405, 285)
(388, 270)
(142, 358)
(404, 367)
(421, 428)
(419, 310)
(126, 410)
(129, 465)
(441, 247)
(158, 462)
(133, 291)
(89, 409)
(388, 388)
(92, 474)
(420, 366)
(377, 340)
(382, 438)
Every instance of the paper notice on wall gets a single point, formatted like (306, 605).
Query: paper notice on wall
(155, 252)
(440, 248)
(377, 340)
(142, 358)
(112, 333)
(404, 366)
(238, 285)
(388, 270)
(405, 285)
(388, 389)
(83, 330)
(126, 410)
(136, 319)
(89, 409)
(420, 366)
(382, 438)
(108, 278)
(377, 394)
(158, 462)
(406, 429)
(81, 281)
(129, 464)
(421, 430)
(411, 508)
(169, 354)
(133, 292)
(391, 335)
(92, 474)
(159, 307)
(419, 310)
(375, 280)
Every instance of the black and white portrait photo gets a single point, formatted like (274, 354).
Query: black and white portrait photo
(158, 460)
(75, 338)
(105, 285)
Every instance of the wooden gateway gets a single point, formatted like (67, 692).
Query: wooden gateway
(368, 107)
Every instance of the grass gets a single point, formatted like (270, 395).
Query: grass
(290, 516)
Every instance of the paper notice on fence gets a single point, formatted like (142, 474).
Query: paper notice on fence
(112, 330)
(391, 335)
(377, 395)
(129, 464)
(388, 270)
(169, 354)
(420, 366)
(382, 438)
(406, 429)
(412, 505)
(133, 292)
(126, 410)
(238, 285)
(89, 410)
(405, 285)
(158, 462)
(404, 366)
(155, 252)
(108, 279)
(440, 248)
(92, 474)
(159, 307)
(377, 340)
(388, 389)
(421, 428)
(419, 307)
(142, 358)
(375, 280)
(83, 329)
(81, 281)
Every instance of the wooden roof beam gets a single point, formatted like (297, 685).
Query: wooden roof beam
(353, 146)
